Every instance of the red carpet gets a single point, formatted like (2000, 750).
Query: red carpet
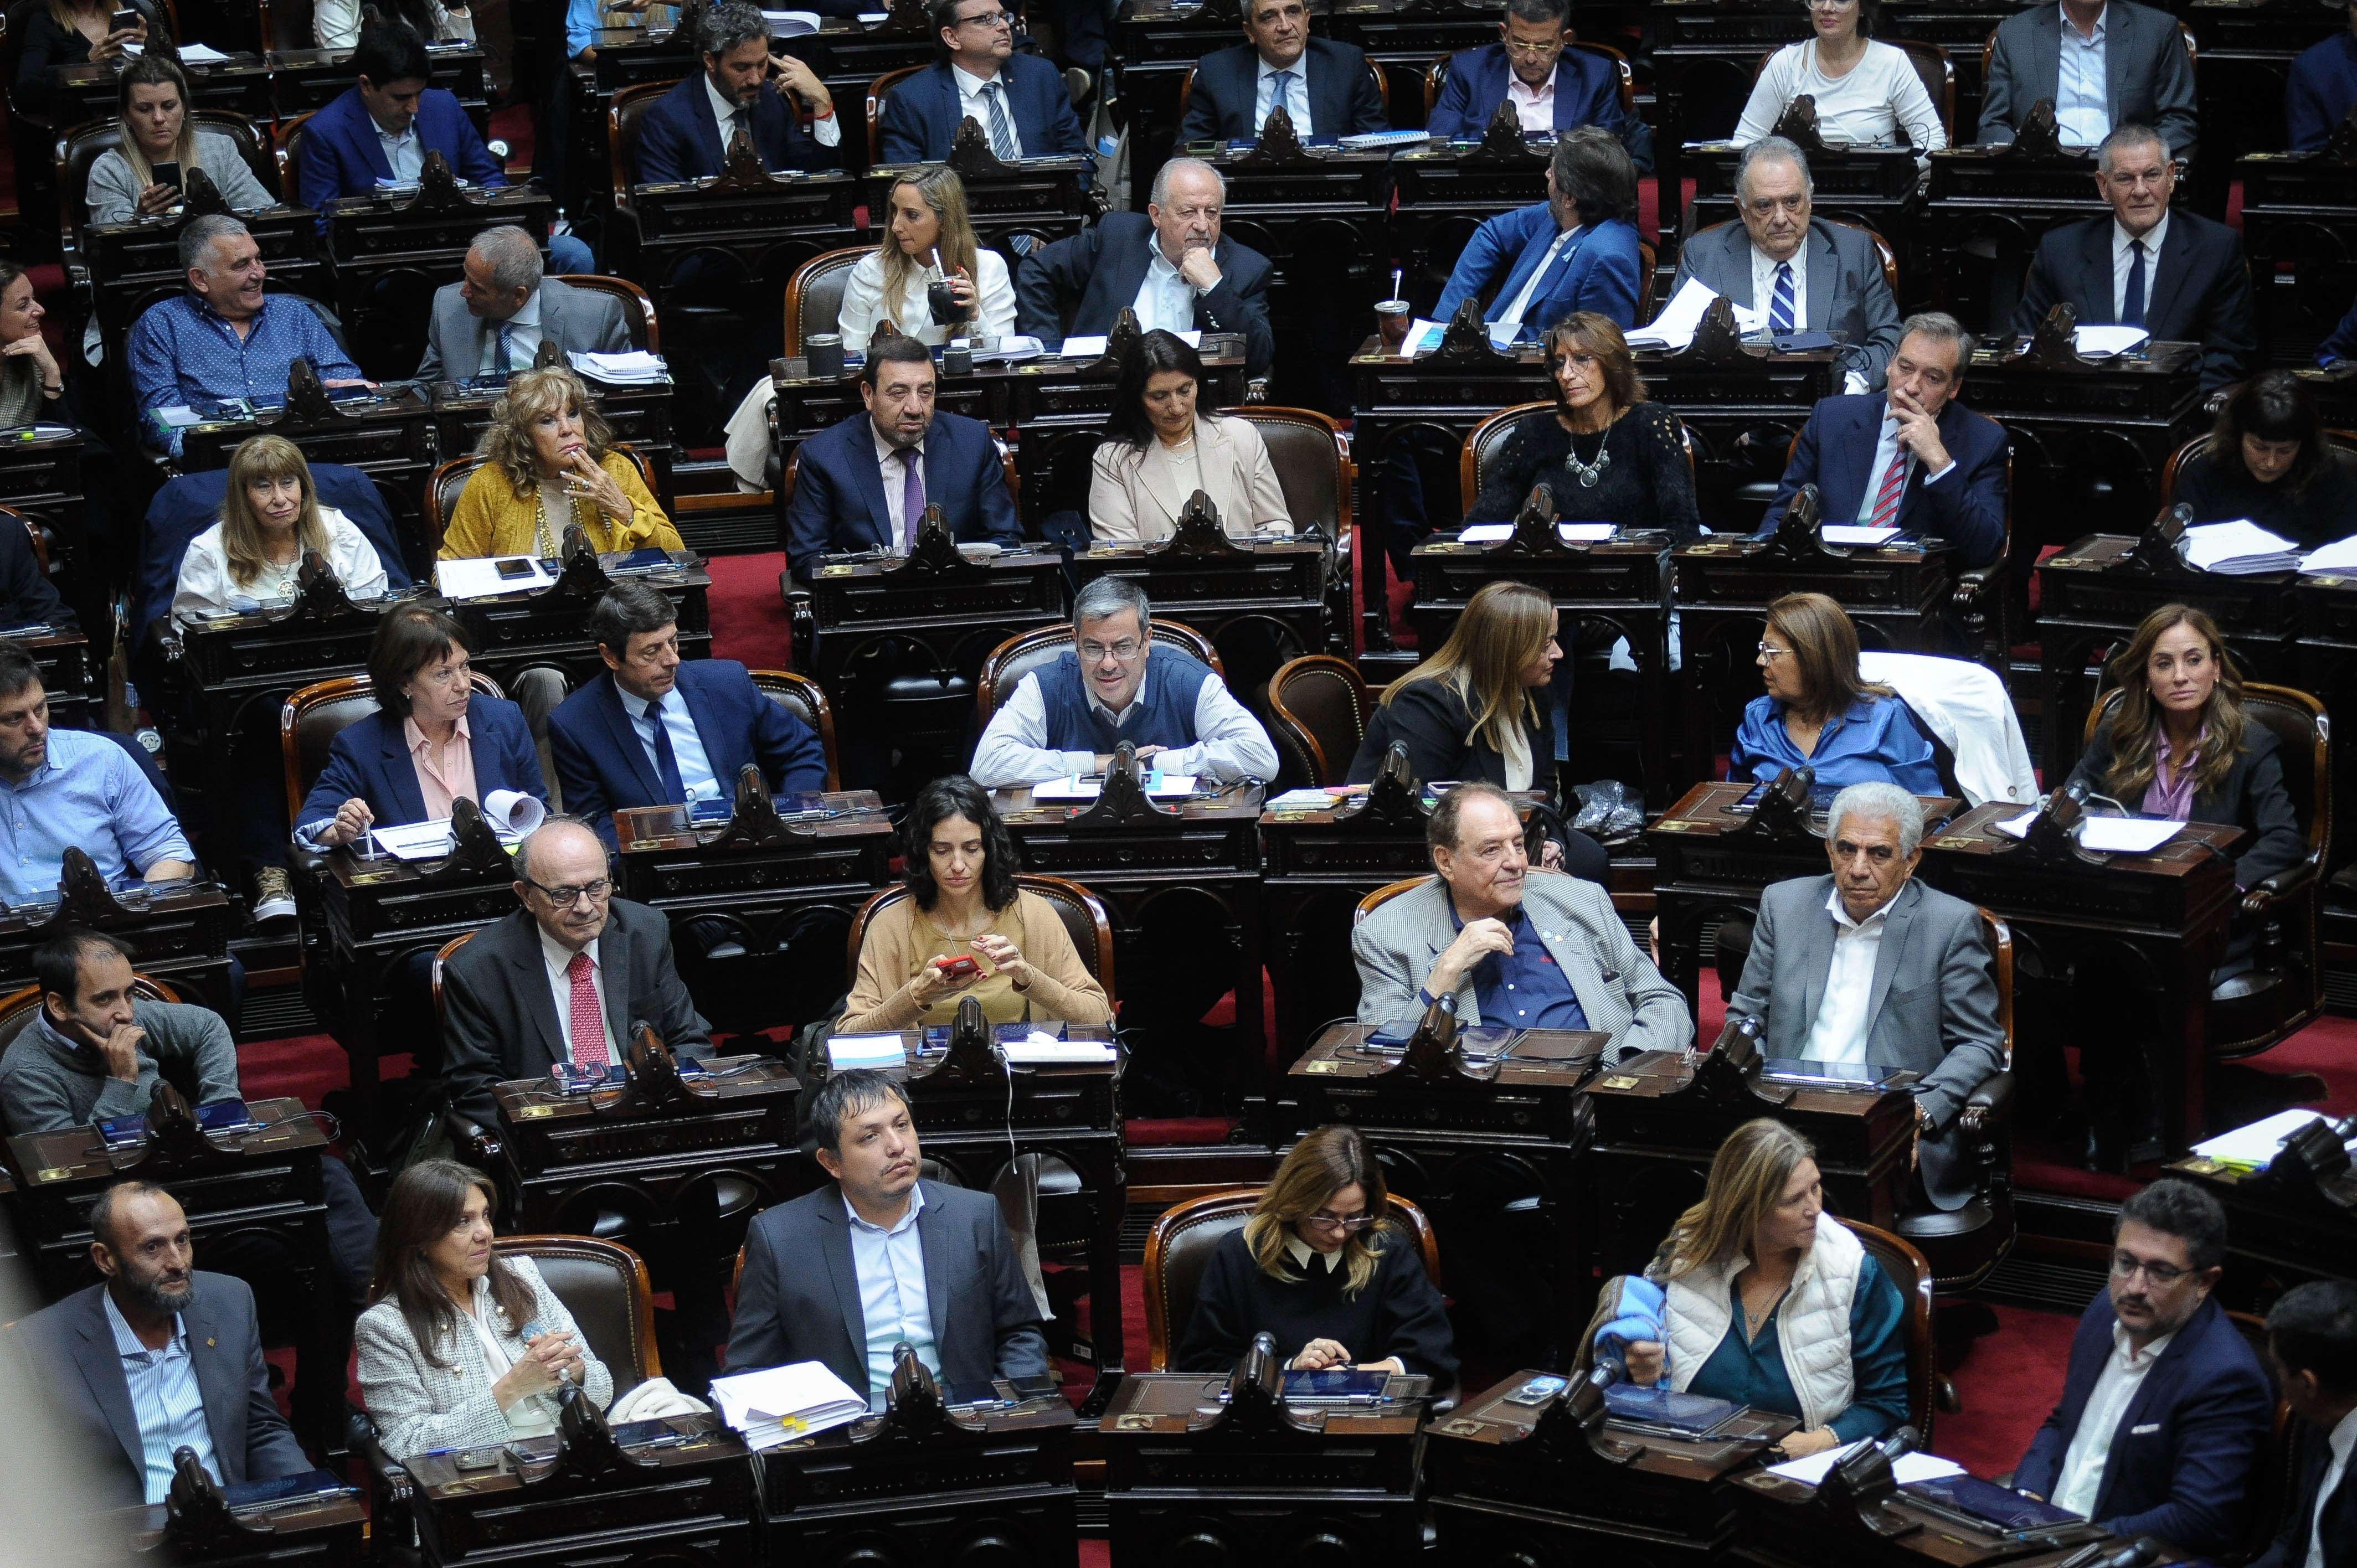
(2007, 1384)
(748, 618)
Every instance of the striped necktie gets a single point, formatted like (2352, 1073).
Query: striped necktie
(1779, 309)
(1894, 485)
(1001, 133)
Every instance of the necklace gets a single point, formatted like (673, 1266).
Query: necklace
(1588, 473)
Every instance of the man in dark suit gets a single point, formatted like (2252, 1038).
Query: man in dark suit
(864, 484)
(494, 319)
(1171, 264)
(2178, 276)
(2322, 88)
(1800, 272)
(1326, 87)
(2341, 344)
(1019, 100)
(2312, 1339)
(655, 731)
(1916, 457)
(567, 978)
(2164, 1408)
(843, 1274)
(2105, 63)
(1554, 87)
(159, 1357)
(742, 87)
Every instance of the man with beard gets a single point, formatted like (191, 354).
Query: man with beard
(742, 88)
(157, 1359)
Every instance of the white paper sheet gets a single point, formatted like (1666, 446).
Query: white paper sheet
(513, 812)
(778, 1404)
(1305, 799)
(1674, 328)
(1906, 1468)
(1011, 350)
(2336, 559)
(200, 54)
(1857, 534)
(633, 366)
(2256, 1144)
(2126, 835)
(792, 23)
(1569, 533)
(1046, 1050)
(866, 1051)
(2103, 342)
(423, 841)
(2239, 546)
(478, 577)
(1078, 788)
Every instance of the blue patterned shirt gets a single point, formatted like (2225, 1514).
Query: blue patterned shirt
(185, 354)
(87, 792)
(165, 1399)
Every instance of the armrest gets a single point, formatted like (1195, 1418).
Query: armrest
(386, 1473)
(2281, 885)
(1990, 1105)
(480, 1148)
(1739, 1025)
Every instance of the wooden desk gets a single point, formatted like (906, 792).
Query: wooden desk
(2298, 209)
(2090, 438)
(1403, 38)
(1043, 199)
(68, 674)
(181, 935)
(124, 268)
(1261, 603)
(2246, 50)
(766, 227)
(515, 632)
(389, 437)
(329, 1530)
(392, 252)
(1703, 52)
(1795, 1525)
(1323, 217)
(1741, 412)
(1157, 42)
(2286, 1225)
(303, 81)
(241, 84)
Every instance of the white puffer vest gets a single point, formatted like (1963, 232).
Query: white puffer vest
(1811, 1322)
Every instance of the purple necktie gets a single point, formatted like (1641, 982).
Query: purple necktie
(912, 496)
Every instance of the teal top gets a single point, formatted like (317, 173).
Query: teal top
(1754, 1374)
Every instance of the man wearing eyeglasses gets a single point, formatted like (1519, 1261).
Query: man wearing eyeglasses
(1554, 87)
(2164, 1407)
(567, 978)
(1019, 100)
(1117, 684)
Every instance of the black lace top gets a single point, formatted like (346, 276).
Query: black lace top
(1648, 483)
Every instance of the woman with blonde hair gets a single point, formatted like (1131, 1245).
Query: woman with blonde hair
(1322, 1267)
(1770, 1302)
(552, 461)
(270, 515)
(927, 227)
(1817, 710)
(152, 101)
(70, 32)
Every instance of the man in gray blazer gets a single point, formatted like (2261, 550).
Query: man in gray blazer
(1537, 951)
(158, 1358)
(2146, 74)
(845, 1273)
(1800, 272)
(1870, 965)
(569, 977)
(498, 316)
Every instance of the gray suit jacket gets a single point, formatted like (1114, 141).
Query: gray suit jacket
(799, 1297)
(2148, 76)
(1847, 291)
(1933, 1011)
(583, 321)
(70, 1352)
(1619, 988)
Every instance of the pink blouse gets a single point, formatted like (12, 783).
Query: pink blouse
(455, 777)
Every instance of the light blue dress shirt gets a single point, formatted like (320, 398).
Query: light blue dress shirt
(164, 1399)
(1297, 93)
(1165, 300)
(2082, 114)
(890, 1265)
(404, 153)
(183, 353)
(686, 745)
(522, 331)
(88, 793)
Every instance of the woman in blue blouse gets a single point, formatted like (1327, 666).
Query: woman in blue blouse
(1770, 1302)
(1817, 710)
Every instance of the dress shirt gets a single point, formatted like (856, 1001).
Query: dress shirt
(686, 745)
(1512, 314)
(1875, 741)
(1886, 447)
(2083, 117)
(455, 777)
(1535, 106)
(974, 106)
(1166, 299)
(1839, 1034)
(523, 339)
(556, 956)
(528, 1416)
(89, 794)
(826, 129)
(2122, 259)
(1523, 988)
(2345, 1437)
(890, 1267)
(1763, 287)
(2091, 1446)
(895, 477)
(1297, 94)
(1229, 742)
(404, 153)
(164, 1399)
(183, 353)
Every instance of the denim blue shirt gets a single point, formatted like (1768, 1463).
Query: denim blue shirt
(687, 746)
(1877, 740)
(1525, 988)
(890, 1266)
(165, 1399)
(1754, 1373)
(185, 354)
(87, 792)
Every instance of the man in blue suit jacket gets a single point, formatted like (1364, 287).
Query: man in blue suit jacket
(1554, 88)
(1019, 100)
(2343, 343)
(2312, 1342)
(1950, 461)
(1327, 88)
(2323, 87)
(2164, 1407)
(626, 740)
(1576, 251)
(841, 500)
(685, 137)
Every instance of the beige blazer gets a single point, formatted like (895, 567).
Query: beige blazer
(1134, 496)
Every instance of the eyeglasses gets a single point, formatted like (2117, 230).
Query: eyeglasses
(2128, 1265)
(1350, 1227)
(1533, 51)
(1120, 652)
(1770, 650)
(565, 898)
(987, 19)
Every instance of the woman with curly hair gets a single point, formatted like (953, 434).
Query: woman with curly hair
(552, 461)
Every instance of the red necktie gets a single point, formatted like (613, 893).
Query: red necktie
(588, 1026)
(1894, 483)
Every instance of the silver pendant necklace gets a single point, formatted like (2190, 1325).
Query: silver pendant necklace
(1589, 472)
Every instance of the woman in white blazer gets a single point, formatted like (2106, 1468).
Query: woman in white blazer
(461, 1348)
(1159, 450)
(270, 515)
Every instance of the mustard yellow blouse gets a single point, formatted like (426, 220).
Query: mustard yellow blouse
(490, 519)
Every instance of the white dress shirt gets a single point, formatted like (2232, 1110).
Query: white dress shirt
(1166, 299)
(896, 481)
(974, 105)
(2083, 115)
(1842, 1026)
(825, 130)
(404, 153)
(890, 1268)
(1886, 447)
(1229, 742)
(1297, 94)
(2091, 1446)
(2122, 259)
(207, 586)
(1512, 314)
(555, 956)
(1534, 106)
(166, 1402)
(2345, 1437)
(523, 339)
(686, 745)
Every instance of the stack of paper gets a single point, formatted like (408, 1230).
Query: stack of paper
(1043, 1049)
(480, 578)
(1906, 1468)
(790, 24)
(635, 368)
(2249, 1148)
(1367, 139)
(1309, 800)
(1674, 328)
(2337, 559)
(2238, 549)
(1856, 534)
(2105, 835)
(200, 54)
(425, 841)
(1079, 789)
(781, 1404)
(1094, 347)
(1013, 351)
(846, 1051)
(2103, 342)
(1569, 533)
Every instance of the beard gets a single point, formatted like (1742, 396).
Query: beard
(160, 1298)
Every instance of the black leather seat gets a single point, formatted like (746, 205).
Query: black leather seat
(1318, 709)
(806, 700)
(604, 1286)
(814, 295)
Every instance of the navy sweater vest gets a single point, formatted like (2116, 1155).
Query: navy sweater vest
(1173, 679)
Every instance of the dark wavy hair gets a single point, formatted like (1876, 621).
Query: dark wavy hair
(1158, 351)
(2136, 722)
(427, 1200)
(955, 795)
(2272, 405)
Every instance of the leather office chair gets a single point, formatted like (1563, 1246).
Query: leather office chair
(1312, 460)
(638, 309)
(81, 146)
(623, 117)
(2273, 1486)
(880, 92)
(17, 1008)
(2340, 446)
(806, 700)
(1026, 652)
(1179, 1249)
(1487, 441)
(1647, 274)
(1926, 1389)
(1082, 911)
(449, 481)
(311, 718)
(288, 154)
(604, 1286)
(1318, 709)
(1963, 1245)
(814, 295)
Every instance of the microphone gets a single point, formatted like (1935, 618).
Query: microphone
(1901, 1442)
(2135, 1554)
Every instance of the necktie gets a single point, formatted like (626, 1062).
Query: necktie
(1002, 131)
(507, 347)
(738, 121)
(587, 1029)
(666, 762)
(2131, 297)
(1280, 90)
(912, 496)
(1894, 484)
(1779, 309)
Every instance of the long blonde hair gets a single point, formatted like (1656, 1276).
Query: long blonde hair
(507, 441)
(1320, 1165)
(1747, 1181)
(156, 70)
(1502, 632)
(266, 457)
(2136, 722)
(940, 188)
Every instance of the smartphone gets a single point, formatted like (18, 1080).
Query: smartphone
(167, 173)
(475, 1460)
(1538, 1390)
(515, 567)
(123, 21)
(960, 966)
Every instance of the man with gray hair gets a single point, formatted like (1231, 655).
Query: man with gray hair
(1865, 966)
(1800, 272)
(742, 89)
(1170, 264)
(1116, 684)
(224, 340)
(493, 320)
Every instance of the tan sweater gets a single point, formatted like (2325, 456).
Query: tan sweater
(903, 939)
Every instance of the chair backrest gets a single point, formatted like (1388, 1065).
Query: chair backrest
(2340, 446)
(1180, 1246)
(2274, 1481)
(1082, 912)
(1937, 74)
(1385, 895)
(880, 91)
(814, 295)
(1620, 70)
(1487, 443)
(79, 146)
(1912, 1275)
(1026, 652)
(33, 531)
(604, 1285)
(1882, 253)
(2000, 942)
(1312, 460)
(288, 154)
(449, 481)
(442, 957)
(2300, 724)
(18, 1008)
(310, 719)
(623, 117)
(638, 308)
(1318, 709)
(806, 700)
(1649, 262)
(1435, 77)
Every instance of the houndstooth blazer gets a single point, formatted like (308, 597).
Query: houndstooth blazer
(419, 1406)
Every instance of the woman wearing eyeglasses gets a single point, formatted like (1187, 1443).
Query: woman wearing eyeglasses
(1866, 93)
(1321, 1266)
(1818, 712)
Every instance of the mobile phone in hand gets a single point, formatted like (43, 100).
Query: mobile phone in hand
(960, 966)
(167, 173)
(123, 21)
